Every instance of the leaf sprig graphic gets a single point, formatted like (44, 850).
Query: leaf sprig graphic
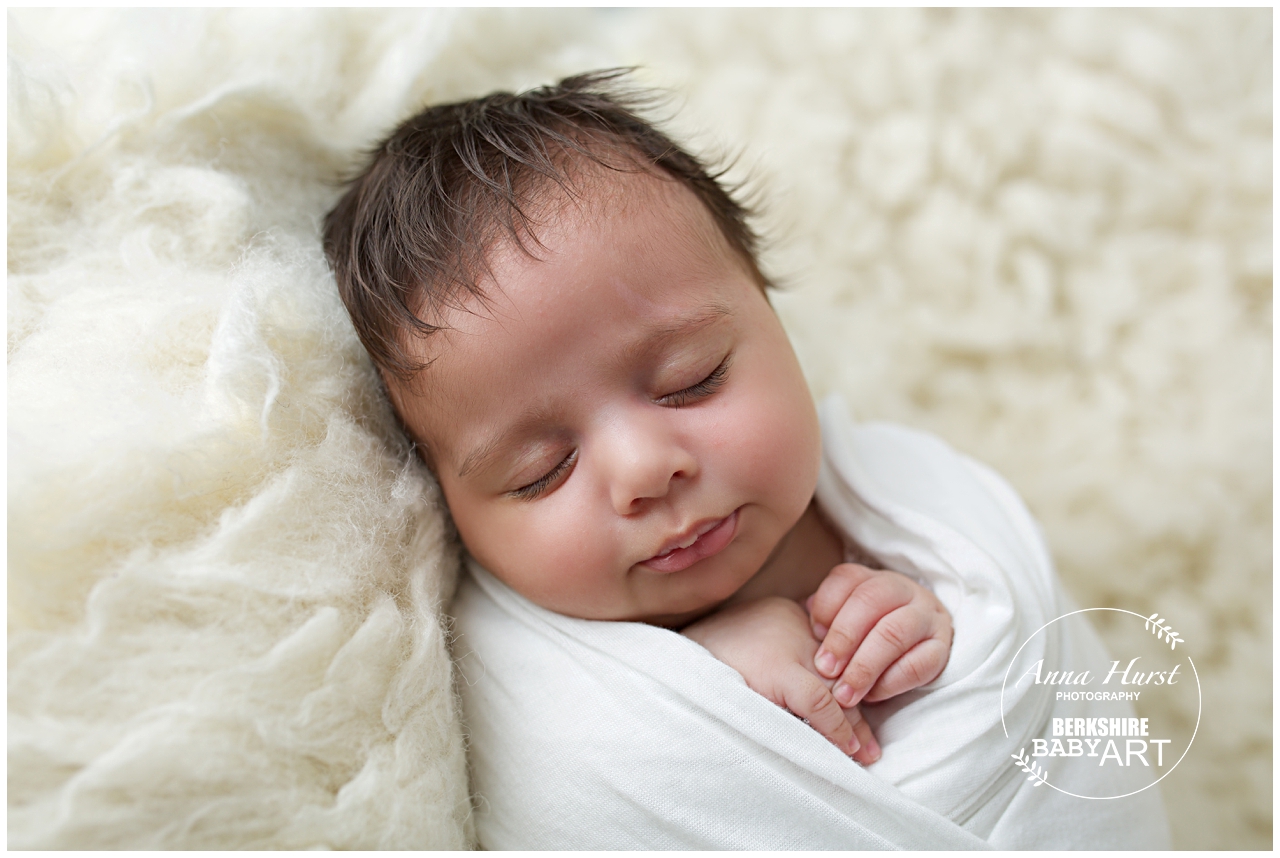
(1157, 627)
(1033, 769)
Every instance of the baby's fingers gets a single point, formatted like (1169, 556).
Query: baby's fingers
(832, 593)
(895, 635)
(869, 751)
(875, 597)
(920, 665)
(808, 696)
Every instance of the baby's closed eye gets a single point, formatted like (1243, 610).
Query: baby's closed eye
(702, 389)
(547, 481)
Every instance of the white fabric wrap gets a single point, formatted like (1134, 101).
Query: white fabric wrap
(587, 734)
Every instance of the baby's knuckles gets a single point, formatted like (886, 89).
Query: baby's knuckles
(805, 694)
(849, 603)
(835, 590)
(922, 665)
(907, 647)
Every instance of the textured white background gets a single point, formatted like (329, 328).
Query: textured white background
(1045, 236)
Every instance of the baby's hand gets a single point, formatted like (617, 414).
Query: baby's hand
(768, 641)
(882, 633)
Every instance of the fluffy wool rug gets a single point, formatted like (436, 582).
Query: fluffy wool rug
(1045, 236)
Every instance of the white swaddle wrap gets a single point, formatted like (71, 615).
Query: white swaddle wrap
(588, 734)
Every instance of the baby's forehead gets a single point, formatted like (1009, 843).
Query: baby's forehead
(593, 196)
(639, 203)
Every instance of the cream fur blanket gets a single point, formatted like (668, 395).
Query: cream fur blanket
(1045, 236)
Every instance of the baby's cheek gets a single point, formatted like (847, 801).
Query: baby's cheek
(559, 564)
(784, 453)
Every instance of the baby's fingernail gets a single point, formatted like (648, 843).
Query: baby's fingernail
(843, 693)
(853, 745)
(873, 750)
(825, 662)
(819, 631)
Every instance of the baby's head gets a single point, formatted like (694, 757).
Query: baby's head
(568, 316)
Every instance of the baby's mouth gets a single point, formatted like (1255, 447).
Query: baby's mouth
(705, 540)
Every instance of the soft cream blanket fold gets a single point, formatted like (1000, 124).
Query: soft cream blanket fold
(588, 734)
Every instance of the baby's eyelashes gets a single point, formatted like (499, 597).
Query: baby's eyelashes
(540, 486)
(701, 390)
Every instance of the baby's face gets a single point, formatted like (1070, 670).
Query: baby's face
(623, 431)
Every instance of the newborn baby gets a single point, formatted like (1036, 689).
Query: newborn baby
(569, 319)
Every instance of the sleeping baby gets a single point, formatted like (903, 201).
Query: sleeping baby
(568, 316)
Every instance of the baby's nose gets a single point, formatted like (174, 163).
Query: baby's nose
(646, 462)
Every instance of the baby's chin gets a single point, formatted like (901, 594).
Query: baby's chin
(672, 613)
(676, 613)
(671, 600)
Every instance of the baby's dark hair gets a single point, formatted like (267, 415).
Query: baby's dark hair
(413, 231)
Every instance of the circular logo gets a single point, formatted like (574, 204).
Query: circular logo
(1095, 726)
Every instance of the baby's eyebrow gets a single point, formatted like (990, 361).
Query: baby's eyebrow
(496, 443)
(656, 335)
(687, 323)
